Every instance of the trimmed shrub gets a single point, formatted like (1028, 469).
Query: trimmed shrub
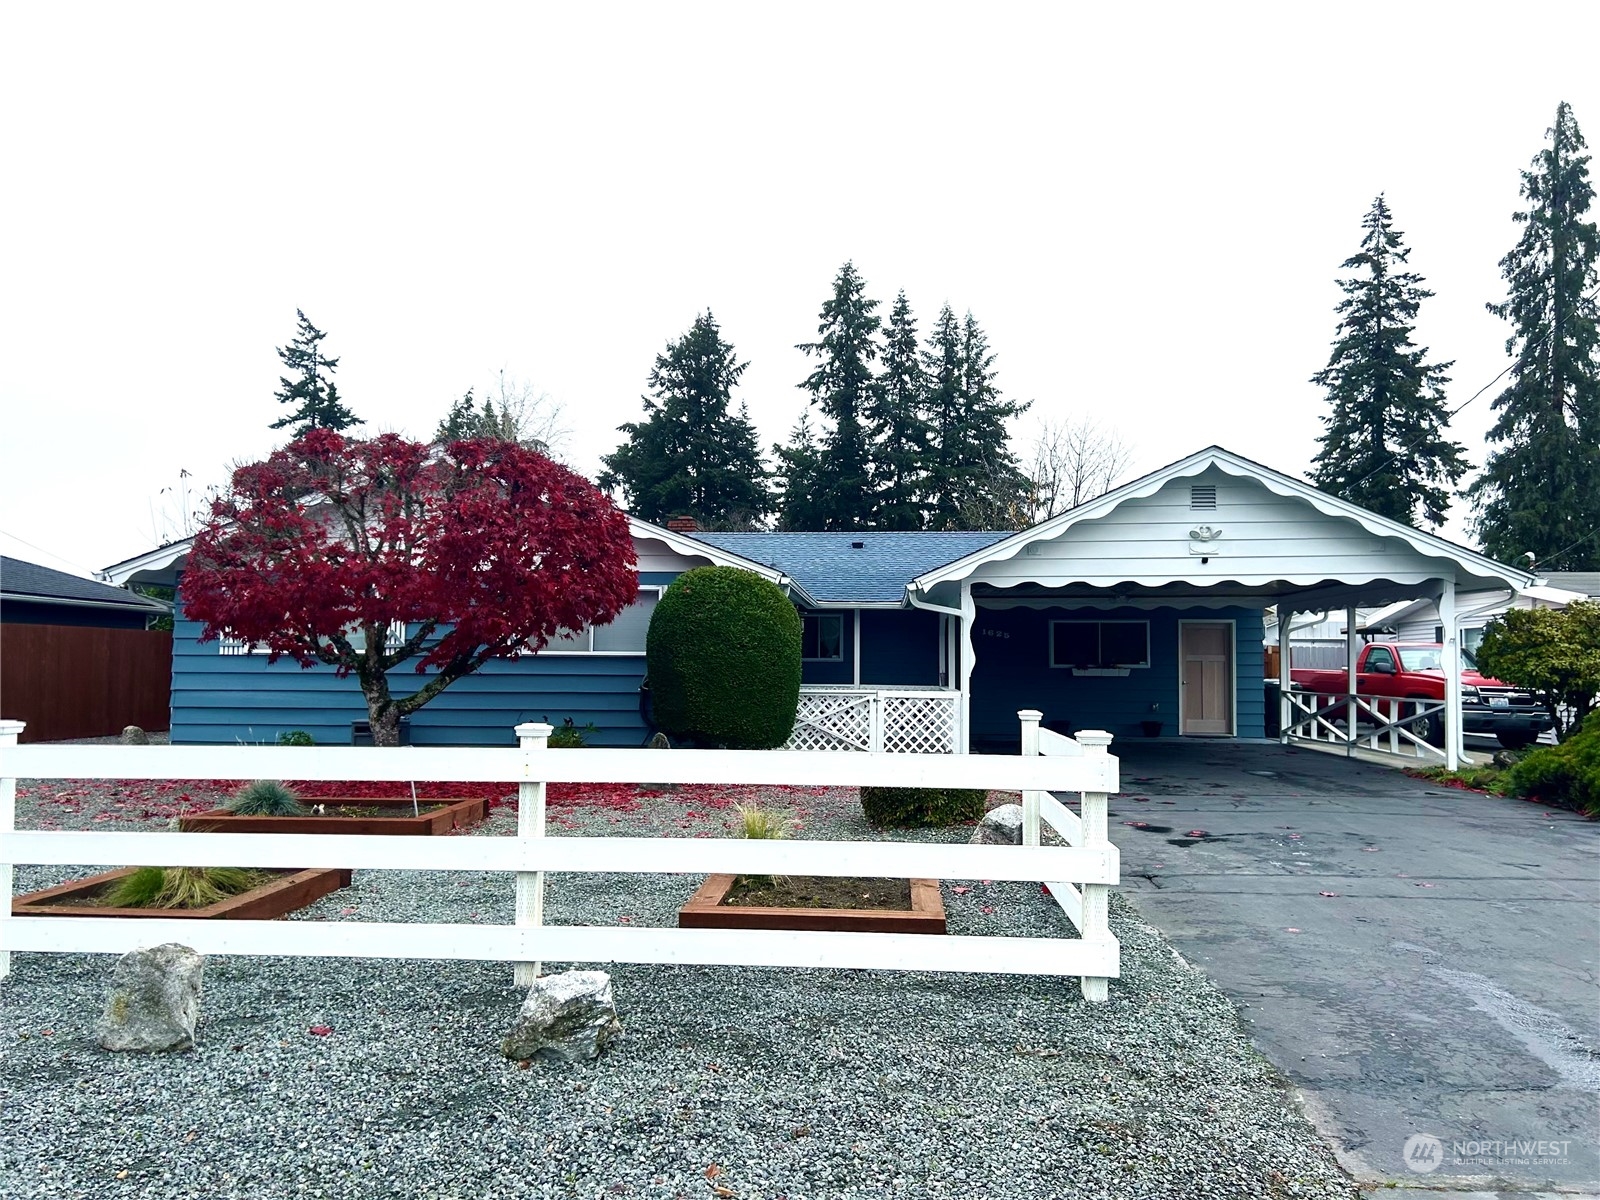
(723, 656)
(296, 737)
(904, 808)
(1568, 774)
(264, 798)
(570, 736)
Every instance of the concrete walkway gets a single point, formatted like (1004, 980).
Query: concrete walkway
(1450, 985)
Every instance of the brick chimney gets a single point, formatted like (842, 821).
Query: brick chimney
(683, 525)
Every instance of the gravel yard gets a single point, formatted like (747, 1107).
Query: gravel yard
(746, 1082)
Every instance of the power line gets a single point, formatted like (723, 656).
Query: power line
(51, 553)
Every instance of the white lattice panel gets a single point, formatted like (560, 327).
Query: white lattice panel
(832, 720)
(919, 724)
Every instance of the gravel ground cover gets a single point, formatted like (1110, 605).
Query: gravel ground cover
(337, 1078)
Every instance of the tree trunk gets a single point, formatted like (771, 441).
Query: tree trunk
(383, 715)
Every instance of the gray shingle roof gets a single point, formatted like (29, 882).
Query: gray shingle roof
(1587, 582)
(832, 571)
(26, 579)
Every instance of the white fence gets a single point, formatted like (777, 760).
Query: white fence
(1382, 723)
(1093, 862)
(890, 720)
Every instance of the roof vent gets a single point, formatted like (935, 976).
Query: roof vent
(858, 545)
(1202, 495)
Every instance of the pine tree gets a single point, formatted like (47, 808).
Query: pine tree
(1539, 492)
(1385, 446)
(690, 456)
(844, 387)
(799, 470)
(312, 389)
(897, 425)
(974, 480)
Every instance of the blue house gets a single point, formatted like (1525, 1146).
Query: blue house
(1139, 612)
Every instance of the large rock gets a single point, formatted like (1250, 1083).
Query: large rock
(1000, 826)
(132, 735)
(155, 1000)
(566, 1017)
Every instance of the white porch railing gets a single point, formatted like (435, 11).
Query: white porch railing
(1382, 723)
(888, 719)
(528, 854)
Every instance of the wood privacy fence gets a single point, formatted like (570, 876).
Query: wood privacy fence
(1078, 768)
(68, 681)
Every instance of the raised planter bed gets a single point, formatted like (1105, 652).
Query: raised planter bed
(290, 891)
(392, 817)
(707, 910)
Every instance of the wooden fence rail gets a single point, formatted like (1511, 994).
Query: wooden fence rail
(530, 854)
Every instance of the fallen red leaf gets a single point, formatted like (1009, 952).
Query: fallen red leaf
(713, 1171)
(321, 1030)
(961, 891)
(1330, 895)
(987, 909)
(1197, 833)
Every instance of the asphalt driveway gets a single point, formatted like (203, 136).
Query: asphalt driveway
(1448, 986)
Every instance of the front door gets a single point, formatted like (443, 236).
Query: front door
(1206, 682)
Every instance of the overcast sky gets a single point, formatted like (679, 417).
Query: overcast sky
(1145, 206)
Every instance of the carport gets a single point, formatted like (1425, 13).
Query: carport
(1140, 612)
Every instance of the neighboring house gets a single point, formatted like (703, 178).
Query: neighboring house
(1418, 620)
(35, 595)
(1143, 605)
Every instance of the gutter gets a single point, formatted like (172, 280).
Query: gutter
(929, 606)
(144, 605)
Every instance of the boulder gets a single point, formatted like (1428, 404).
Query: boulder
(155, 1000)
(132, 735)
(659, 742)
(1000, 826)
(565, 1018)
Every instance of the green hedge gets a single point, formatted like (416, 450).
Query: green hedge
(723, 657)
(1568, 774)
(904, 808)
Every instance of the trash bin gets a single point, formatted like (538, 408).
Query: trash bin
(1272, 694)
(361, 732)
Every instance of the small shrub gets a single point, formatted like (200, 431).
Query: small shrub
(180, 887)
(295, 737)
(569, 736)
(763, 825)
(723, 657)
(264, 798)
(1567, 774)
(903, 808)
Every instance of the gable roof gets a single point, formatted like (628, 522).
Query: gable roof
(1496, 574)
(22, 580)
(1587, 582)
(830, 569)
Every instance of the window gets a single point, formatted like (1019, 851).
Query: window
(821, 637)
(1099, 645)
(625, 635)
(1379, 659)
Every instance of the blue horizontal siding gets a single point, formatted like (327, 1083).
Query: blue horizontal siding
(900, 646)
(1012, 671)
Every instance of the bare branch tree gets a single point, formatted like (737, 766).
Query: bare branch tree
(528, 416)
(1074, 460)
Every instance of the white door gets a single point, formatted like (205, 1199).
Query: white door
(1206, 682)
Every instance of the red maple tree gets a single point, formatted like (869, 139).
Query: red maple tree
(481, 549)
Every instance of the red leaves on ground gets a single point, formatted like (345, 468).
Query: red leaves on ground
(320, 1030)
(960, 891)
(1197, 833)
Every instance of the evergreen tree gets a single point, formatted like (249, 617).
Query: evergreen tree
(974, 481)
(1385, 446)
(312, 389)
(1539, 492)
(897, 426)
(844, 387)
(800, 471)
(690, 456)
(465, 421)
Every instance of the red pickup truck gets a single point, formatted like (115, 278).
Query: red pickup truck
(1412, 671)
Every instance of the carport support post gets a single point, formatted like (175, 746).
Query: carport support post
(9, 730)
(1452, 676)
(1285, 679)
(1030, 718)
(1092, 811)
(1352, 651)
(969, 617)
(534, 735)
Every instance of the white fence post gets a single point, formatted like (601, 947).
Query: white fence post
(8, 824)
(1092, 809)
(534, 735)
(1030, 718)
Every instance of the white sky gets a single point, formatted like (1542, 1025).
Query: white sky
(1145, 206)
